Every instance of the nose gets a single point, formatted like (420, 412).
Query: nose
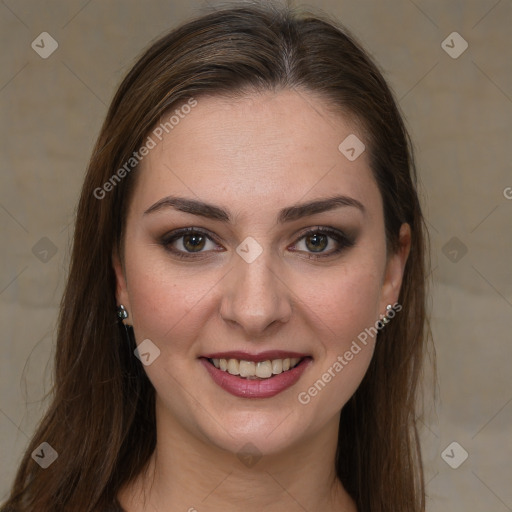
(255, 298)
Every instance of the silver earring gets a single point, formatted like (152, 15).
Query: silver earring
(386, 318)
(121, 312)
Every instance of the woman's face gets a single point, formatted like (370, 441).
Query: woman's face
(257, 279)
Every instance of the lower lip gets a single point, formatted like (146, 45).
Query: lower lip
(256, 388)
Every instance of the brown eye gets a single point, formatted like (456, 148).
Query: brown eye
(317, 242)
(193, 243)
(187, 242)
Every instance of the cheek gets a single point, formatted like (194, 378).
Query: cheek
(344, 314)
(164, 303)
(344, 302)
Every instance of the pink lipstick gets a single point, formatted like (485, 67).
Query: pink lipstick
(252, 386)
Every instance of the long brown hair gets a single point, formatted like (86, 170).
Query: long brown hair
(101, 420)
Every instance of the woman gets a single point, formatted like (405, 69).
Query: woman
(244, 319)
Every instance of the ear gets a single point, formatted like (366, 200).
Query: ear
(121, 287)
(395, 269)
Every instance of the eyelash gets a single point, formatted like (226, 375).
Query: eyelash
(344, 241)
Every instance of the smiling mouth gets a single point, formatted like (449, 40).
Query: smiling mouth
(261, 370)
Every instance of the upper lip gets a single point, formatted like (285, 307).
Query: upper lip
(260, 356)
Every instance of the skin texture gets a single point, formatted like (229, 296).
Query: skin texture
(252, 156)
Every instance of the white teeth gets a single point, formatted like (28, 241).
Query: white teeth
(247, 369)
(233, 367)
(250, 369)
(264, 369)
(277, 366)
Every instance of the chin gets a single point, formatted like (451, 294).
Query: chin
(266, 433)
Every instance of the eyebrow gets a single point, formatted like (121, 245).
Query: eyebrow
(287, 214)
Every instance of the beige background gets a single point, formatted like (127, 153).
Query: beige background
(459, 111)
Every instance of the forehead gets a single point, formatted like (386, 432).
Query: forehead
(265, 149)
